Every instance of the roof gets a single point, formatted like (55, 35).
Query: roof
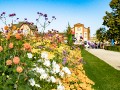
(31, 25)
(78, 24)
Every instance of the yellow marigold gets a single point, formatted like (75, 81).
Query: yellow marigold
(1, 48)
(8, 36)
(13, 27)
(6, 27)
(19, 69)
(50, 56)
(71, 86)
(9, 62)
(35, 50)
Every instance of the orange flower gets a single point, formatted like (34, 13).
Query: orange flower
(18, 36)
(8, 36)
(19, 69)
(16, 60)
(6, 27)
(13, 27)
(27, 46)
(1, 48)
(9, 62)
(11, 45)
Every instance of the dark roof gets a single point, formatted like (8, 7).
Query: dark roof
(31, 25)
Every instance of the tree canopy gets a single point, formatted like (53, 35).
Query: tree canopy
(112, 20)
(100, 34)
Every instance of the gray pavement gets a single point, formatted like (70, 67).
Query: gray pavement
(110, 57)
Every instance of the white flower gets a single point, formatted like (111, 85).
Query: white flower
(37, 85)
(66, 70)
(44, 55)
(52, 78)
(40, 70)
(44, 76)
(29, 55)
(56, 67)
(39, 60)
(61, 74)
(32, 82)
(46, 63)
(60, 87)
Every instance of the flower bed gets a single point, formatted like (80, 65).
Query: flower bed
(33, 64)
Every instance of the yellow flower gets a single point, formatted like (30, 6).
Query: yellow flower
(71, 86)
(50, 56)
(35, 50)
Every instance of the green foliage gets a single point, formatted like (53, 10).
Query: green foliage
(100, 34)
(112, 20)
(112, 48)
(69, 36)
(10, 79)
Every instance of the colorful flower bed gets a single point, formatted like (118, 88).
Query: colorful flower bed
(33, 64)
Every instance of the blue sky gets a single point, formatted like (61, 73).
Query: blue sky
(87, 12)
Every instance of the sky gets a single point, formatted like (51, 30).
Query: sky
(87, 12)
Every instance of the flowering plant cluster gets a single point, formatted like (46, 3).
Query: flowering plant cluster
(33, 64)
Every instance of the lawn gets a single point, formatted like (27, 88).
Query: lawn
(104, 76)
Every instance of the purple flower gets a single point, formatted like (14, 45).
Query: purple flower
(64, 52)
(11, 15)
(3, 13)
(45, 15)
(40, 14)
(19, 31)
(46, 19)
(49, 22)
(25, 18)
(64, 60)
(6, 31)
(17, 18)
(53, 16)
(37, 20)
(81, 37)
(14, 14)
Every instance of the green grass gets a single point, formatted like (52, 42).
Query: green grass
(104, 76)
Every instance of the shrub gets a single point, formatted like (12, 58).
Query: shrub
(112, 48)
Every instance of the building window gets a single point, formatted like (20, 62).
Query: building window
(79, 29)
(80, 34)
(85, 35)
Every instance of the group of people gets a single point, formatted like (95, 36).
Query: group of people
(95, 45)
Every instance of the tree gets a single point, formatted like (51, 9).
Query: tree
(100, 34)
(69, 36)
(112, 20)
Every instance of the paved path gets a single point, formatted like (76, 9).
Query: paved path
(110, 57)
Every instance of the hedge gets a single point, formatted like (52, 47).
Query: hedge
(112, 48)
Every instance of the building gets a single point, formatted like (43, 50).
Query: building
(80, 33)
(26, 28)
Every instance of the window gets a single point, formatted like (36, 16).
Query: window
(85, 35)
(79, 29)
(80, 34)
